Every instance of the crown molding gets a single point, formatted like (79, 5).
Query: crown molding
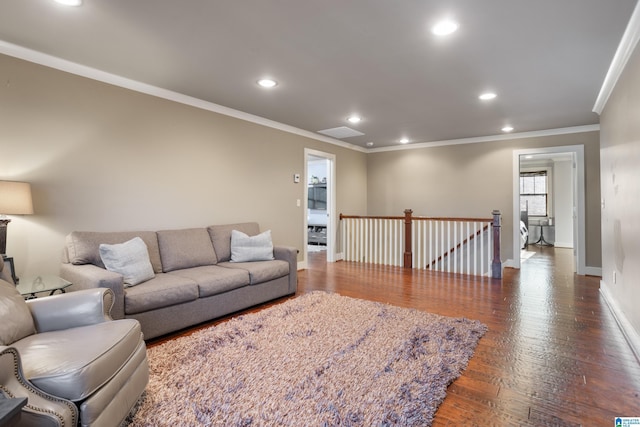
(113, 79)
(116, 80)
(502, 137)
(623, 53)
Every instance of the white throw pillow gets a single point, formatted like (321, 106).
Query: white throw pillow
(246, 248)
(131, 259)
(15, 316)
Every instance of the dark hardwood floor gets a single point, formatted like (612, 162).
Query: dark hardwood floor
(553, 354)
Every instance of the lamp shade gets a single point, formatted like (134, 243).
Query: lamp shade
(15, 198)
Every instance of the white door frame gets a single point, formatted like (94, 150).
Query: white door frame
(578, 172)
(331, 202)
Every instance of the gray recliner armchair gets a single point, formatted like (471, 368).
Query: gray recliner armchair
(74, 363)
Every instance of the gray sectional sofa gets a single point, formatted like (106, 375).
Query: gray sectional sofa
(194, 277)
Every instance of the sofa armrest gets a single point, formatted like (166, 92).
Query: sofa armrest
(42, 409)
(88, 276)
(289, 254)
(70, 310)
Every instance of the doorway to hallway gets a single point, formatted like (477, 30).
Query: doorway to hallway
(319, 221)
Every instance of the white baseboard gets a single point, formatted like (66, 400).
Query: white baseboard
(631, 335)
(510, 263)
(568, 245)
(593, 271)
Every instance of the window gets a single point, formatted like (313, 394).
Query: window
(533, 191)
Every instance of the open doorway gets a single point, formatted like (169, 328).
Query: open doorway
(549, 201)
(319, 220)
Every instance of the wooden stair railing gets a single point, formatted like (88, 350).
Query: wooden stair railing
(407, 222)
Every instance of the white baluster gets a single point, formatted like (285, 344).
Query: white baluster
(432, 243)
(489, 249)
(481, 249)
(469, 246)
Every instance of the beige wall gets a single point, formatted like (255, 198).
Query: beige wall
(101, 157)
(472, 180)
(620, 165)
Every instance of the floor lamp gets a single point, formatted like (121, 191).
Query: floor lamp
(15, 199)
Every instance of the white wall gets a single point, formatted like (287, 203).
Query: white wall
(317, 168)
(563, 203)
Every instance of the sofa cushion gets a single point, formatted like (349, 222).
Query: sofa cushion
(189, 247)
(83, 246)
(131, 259)
(221, 237)
(74, 363)
(161, 291)
(213, 280)
(15, 316)
(261, 271)
(246, 248)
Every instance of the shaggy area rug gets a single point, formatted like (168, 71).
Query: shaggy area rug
(317, 360)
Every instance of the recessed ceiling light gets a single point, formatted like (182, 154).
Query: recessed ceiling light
(354, 119)
(404, 140)
(369, 144)
(69, 2)
(267, 83)
(445, 27)
(487, 96)
(507, 129)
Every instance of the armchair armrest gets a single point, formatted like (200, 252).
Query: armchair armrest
(64, 311)
(42, 409)
(289, 254)
(88, 276)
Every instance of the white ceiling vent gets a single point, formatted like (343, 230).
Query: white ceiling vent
(341, 132)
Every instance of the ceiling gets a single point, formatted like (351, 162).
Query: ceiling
(545, 59)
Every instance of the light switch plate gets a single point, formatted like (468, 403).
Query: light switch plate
(296, 177)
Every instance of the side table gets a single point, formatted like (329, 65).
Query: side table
(30, 286)
(541, 241)
(11, 411)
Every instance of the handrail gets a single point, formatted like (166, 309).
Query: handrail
(343, 216)
(458, 219)
(419, 218)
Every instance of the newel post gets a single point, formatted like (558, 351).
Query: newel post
(496, 264)
(407, 238)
